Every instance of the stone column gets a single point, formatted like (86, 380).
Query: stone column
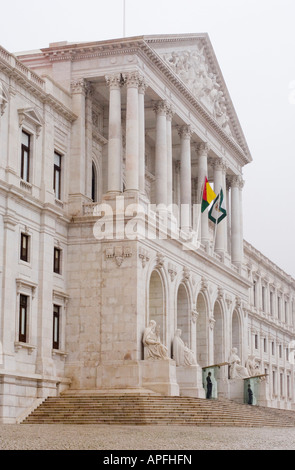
(228, 218)
(241, 185)
(185, 177)
(77, 167)
(169, 157)
(161, 153)
(114, 146)
(132, 132)
(141, 134)
(236, 253)
(202, 152)
(219, 183)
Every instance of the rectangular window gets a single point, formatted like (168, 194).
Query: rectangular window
(25, 157)
(56, 320)
(23, 313)
(57, 261)
(57, 175)
(273, 348)
(24, 247)
(280, 350)
(256, 341)
(254, 293)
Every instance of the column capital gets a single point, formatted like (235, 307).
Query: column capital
(185, 132)
(219, 164)
(170, 112)
(114, 81)
(79, 85)
(161, 107)
(202, 148)
(235, 181)
(133, 79)
(142, 85)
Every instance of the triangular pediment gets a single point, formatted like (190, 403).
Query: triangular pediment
(192, 59)
(32, 116)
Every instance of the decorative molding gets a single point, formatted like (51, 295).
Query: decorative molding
(211, 323)
(172, 271)
(220, 293)
(144, 256)
(186, 274)
(25, 284)
(160, 260)
(4, 98)
(32, 116)
(194, 315)
(204, 285)
(118, 253)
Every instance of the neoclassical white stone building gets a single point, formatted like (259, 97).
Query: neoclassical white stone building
(105, 147)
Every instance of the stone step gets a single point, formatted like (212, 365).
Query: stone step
(154, 409)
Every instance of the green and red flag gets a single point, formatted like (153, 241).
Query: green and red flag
(217, 211)
(208, 195)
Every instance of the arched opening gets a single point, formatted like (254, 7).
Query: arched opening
(218, 334)
(156, 303)
(94, 183)
(202, 332)
(183, 318)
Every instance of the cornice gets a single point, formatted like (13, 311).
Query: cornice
(141, 45)
(268, 265)
(15, 69)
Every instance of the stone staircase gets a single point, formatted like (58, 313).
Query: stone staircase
(129, 409)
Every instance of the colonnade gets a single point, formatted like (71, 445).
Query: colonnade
(135, 162)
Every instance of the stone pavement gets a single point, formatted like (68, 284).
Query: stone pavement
(113, 437)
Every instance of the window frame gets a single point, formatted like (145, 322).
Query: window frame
(25, 148)
(25, 257)
(56, 327)
(57, 262)
(23, 322)
(57, 170)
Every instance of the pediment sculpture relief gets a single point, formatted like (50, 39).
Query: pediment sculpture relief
(192, 68)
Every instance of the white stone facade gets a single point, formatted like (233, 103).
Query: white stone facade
(114, 133)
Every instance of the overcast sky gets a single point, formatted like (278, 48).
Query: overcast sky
(254, 42)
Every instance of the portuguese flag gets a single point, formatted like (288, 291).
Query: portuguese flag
(208, 195)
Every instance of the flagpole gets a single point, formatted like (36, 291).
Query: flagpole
(124, 17)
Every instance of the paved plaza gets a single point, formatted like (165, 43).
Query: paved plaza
(106, 437)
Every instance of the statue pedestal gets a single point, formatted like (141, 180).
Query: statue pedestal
(236, 390)
(160, 376)
(189, 379)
